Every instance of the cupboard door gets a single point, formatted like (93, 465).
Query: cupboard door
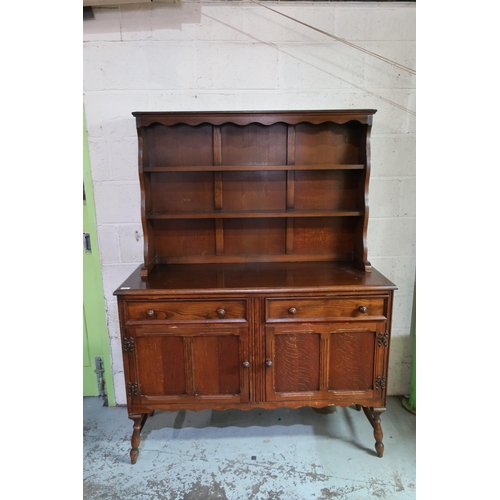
(189, 365)
(333, 362)
(294, 369)
(356, 360)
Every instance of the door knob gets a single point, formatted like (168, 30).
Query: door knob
(269, 363)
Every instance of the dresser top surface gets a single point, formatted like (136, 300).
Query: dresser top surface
(253, 278)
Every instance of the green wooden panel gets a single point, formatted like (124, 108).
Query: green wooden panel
(86, 354)
(89, 377)
(95, 331)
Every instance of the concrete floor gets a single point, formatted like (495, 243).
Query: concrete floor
(238, 455)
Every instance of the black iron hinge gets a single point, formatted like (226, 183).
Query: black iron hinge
(383, 339)
(128, 344)
(380, 383)
(132, 389)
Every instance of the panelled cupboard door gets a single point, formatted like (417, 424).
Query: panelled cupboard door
(187, 365)
(326, 361)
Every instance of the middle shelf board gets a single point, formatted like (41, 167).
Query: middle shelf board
(254, 214)
(236, 168)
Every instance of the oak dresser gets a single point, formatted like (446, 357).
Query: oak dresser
(256, 289)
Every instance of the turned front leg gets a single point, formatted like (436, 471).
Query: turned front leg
(139, 421)
(373, 415)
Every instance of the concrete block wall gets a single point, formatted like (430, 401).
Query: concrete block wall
(241, 56)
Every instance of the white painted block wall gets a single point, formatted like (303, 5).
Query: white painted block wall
(241, 56)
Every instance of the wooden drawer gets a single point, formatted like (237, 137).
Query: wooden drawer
(321, 308)
(187, 310)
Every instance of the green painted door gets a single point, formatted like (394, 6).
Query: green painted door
(97, 375)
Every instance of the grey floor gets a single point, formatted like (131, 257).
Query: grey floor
(238, 455)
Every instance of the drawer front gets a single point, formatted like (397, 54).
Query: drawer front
(187, 310)
(321, 308)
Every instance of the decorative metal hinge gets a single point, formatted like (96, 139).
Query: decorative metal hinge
(383, 339)
(132, 389)
(128, 344)
(380, 383)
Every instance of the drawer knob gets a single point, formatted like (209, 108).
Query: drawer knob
(150, 313)
(246, 364)
(221, 312)
(362, 309)
(292, 310)
(269, 363)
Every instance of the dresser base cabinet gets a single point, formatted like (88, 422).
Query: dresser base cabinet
(275, 344)
(255, 290)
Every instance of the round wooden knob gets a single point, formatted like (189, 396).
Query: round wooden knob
(246, 364)
(362, 309)
(269, 363)
(221, 312)
(150, 313)
(292, 310)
